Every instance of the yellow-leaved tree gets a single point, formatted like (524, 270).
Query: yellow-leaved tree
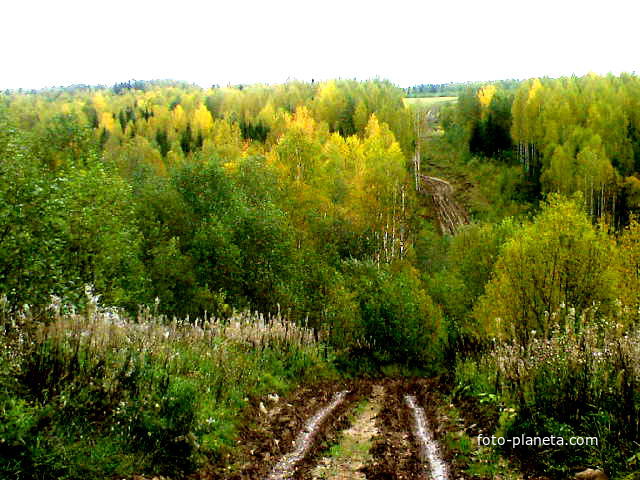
(555, 271)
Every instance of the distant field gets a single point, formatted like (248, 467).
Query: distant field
(428, 101)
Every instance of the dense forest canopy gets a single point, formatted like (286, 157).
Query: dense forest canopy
(253, 196)
(569, 134)
(209, 200)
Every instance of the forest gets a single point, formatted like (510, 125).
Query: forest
(175, 260)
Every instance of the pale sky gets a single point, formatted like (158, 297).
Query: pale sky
(67, 42)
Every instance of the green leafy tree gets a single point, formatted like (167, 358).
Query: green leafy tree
(400, 320)
(559, 261)
(64, 141)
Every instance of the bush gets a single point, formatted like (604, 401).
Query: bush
(558, 260)
(400, 321)
(467, 268)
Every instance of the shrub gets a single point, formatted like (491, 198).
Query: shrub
(575, 382)
(400, 321)
(559, 259)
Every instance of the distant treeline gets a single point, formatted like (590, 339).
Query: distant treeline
(118, 87)
(453, 89)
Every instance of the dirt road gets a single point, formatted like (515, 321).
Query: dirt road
(450, 215)
(363, 430)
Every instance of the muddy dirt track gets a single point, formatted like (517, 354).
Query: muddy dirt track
(391, 424)
(450, 215)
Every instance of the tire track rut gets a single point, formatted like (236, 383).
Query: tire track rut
(388, 438)
(428, 449)
(394, 453)
(286, 466)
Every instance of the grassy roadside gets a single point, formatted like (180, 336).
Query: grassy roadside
(476, 461)
(97, 395)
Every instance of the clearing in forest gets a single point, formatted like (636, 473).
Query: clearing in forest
(428, 101)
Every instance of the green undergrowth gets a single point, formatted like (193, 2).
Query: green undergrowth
(576, 383)
(97, 395)
(477, 461)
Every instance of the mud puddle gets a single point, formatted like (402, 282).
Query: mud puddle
(429, 452)
(286, 466)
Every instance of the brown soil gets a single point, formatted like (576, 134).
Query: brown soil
(331, 430)
(394, 451)
(267, 437)
(450, 215)
(354, 443)
(429, 396)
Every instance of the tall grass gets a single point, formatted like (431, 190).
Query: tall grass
(95, 394)
(577, 381)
